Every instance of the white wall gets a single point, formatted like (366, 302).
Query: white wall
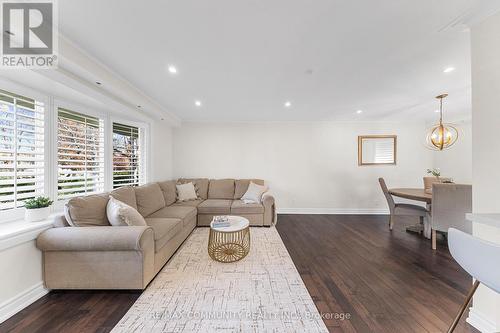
(486, 114)
(308, 165)
(456, 162)
(21, 279)
(485, 314)
(161, 161)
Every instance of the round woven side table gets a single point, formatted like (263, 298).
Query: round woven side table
(230, 243)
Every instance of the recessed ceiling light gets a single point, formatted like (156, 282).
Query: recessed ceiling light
(197, 103)
(172, 69)
(448, 69)
(288, 104)
(359, 111)
(139, 106)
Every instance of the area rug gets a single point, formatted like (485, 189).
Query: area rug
(261, 293)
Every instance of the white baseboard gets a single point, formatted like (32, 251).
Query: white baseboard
(15, 304)
(481, 322)
(334, 211)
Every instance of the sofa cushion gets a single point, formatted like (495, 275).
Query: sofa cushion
(164, 229)
(239, 207)
(201, 185)
(221, 189)
(126, 195)
(149, 198)
(87, 211)
(169, 191)
(215, 206)
(190, 203)
(179, 212)
(241, 186)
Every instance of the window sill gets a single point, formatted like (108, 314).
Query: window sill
(18, 232)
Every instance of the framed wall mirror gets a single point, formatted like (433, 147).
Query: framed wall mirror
(377, 149)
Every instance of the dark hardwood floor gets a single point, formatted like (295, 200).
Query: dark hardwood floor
(386, 281)
(351, 265)
(76, 311)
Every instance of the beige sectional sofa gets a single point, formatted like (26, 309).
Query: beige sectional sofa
(96, 255)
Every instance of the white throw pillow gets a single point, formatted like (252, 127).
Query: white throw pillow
(67, 216)
(186, 192)
(121, 214)
(254, 193)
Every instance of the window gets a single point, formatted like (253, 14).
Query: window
(80, 154)
(128, 168)
(53, 148)
(21, 149)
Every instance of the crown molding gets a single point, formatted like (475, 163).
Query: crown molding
(80, 70)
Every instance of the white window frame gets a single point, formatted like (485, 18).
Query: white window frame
(51, 106)
(18, 213)
(85, 110)
(144, 141)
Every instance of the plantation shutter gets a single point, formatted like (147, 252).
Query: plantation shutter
(80, 154)
(384, 151)
(21, 149)
(127, 160)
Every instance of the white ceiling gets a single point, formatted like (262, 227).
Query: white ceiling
(244, 59)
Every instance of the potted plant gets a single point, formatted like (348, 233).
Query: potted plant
(37, 209)
(436, 172)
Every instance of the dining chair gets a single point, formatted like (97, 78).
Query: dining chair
(401, 209)
(450, 203)
(477, 257)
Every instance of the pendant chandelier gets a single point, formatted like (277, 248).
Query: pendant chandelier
(442, 135)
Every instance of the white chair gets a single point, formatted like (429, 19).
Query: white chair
(479, 258)
(401, 209)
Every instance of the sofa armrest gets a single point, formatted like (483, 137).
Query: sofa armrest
(269, 209)
(127, 238)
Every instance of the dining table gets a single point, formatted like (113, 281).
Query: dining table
(417, 194)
